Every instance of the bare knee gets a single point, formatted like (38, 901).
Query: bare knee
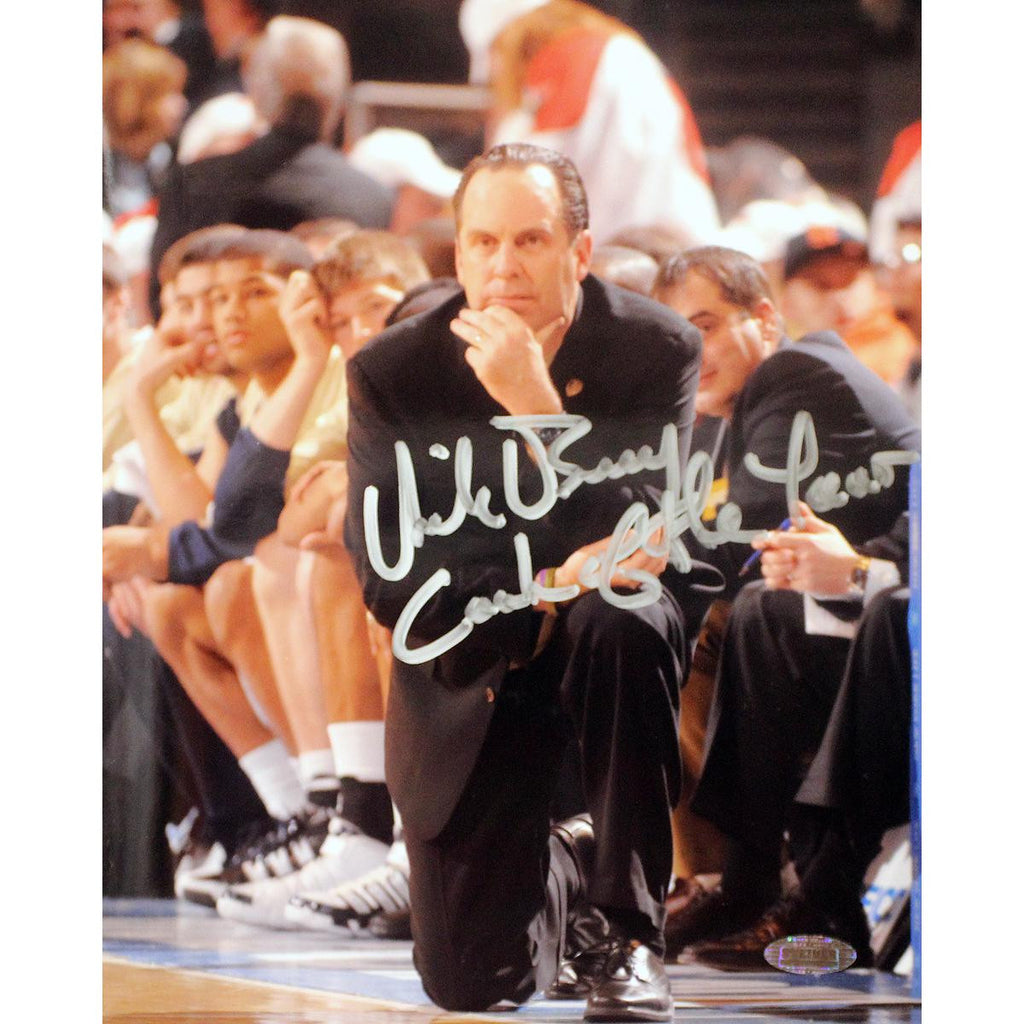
(273, 573)
(227, 597)
(167, 608)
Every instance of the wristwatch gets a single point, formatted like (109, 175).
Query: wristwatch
(859, 574)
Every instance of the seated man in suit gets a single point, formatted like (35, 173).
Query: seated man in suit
(496, 670)
(805, 419)
(791, 683)
(802, 419)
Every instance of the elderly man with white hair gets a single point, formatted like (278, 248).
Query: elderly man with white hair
(297, 76)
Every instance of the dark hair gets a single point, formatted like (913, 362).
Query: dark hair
(200, 246)
(281, 253)
(742, 280)
(575, 212)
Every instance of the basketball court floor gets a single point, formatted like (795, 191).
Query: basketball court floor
(165, 962)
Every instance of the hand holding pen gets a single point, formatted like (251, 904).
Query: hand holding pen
(808, 555)
(753, 559)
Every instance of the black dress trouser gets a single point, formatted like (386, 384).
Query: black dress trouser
(490, 894)
(863, 765)
(774, 692)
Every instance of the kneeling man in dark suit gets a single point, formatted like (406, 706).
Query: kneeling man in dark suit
(506, 451)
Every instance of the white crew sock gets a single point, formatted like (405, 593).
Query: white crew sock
(358, 750)
(316, 772)
(276, 783)
(316, 764)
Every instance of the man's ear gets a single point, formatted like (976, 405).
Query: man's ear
(770, 324)
(458, 262)
(583, 249)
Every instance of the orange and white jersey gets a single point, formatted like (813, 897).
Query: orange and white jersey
(899, 191)
(607, 103)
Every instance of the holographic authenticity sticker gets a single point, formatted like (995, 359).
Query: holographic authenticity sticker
(810, 954)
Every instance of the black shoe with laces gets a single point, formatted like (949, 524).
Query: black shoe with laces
(629, 984)
(578, 972)
(283, 848)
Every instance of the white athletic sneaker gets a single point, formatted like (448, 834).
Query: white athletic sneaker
(197, 866)
(346, 853)
(283, 848)
(351, 905)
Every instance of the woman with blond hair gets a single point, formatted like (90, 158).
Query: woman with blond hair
(143, 106)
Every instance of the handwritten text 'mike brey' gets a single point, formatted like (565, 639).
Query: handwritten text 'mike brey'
(680, 506)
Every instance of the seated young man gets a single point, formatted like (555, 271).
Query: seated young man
(380, 899)
(179, 356)
(175, 372)
(831, 285)
(120, 349)
(310, 607)
(272, 653)
(158, 465)
(242, 468)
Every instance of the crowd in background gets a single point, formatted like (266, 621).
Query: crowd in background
(247, 255)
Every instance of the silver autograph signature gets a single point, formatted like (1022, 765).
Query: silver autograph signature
(679, 510)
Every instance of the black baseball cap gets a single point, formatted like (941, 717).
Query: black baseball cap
(822, 240)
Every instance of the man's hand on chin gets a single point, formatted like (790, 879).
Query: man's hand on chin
(509, 359)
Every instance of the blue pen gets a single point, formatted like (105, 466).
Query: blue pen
(752, 560)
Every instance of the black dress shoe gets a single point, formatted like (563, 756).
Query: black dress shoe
(744, 950)
(587, 930)
(578, 974)
(705, 915)
(631, 985)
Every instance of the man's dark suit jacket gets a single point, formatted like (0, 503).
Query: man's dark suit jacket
(630, 366)
(855, 415)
